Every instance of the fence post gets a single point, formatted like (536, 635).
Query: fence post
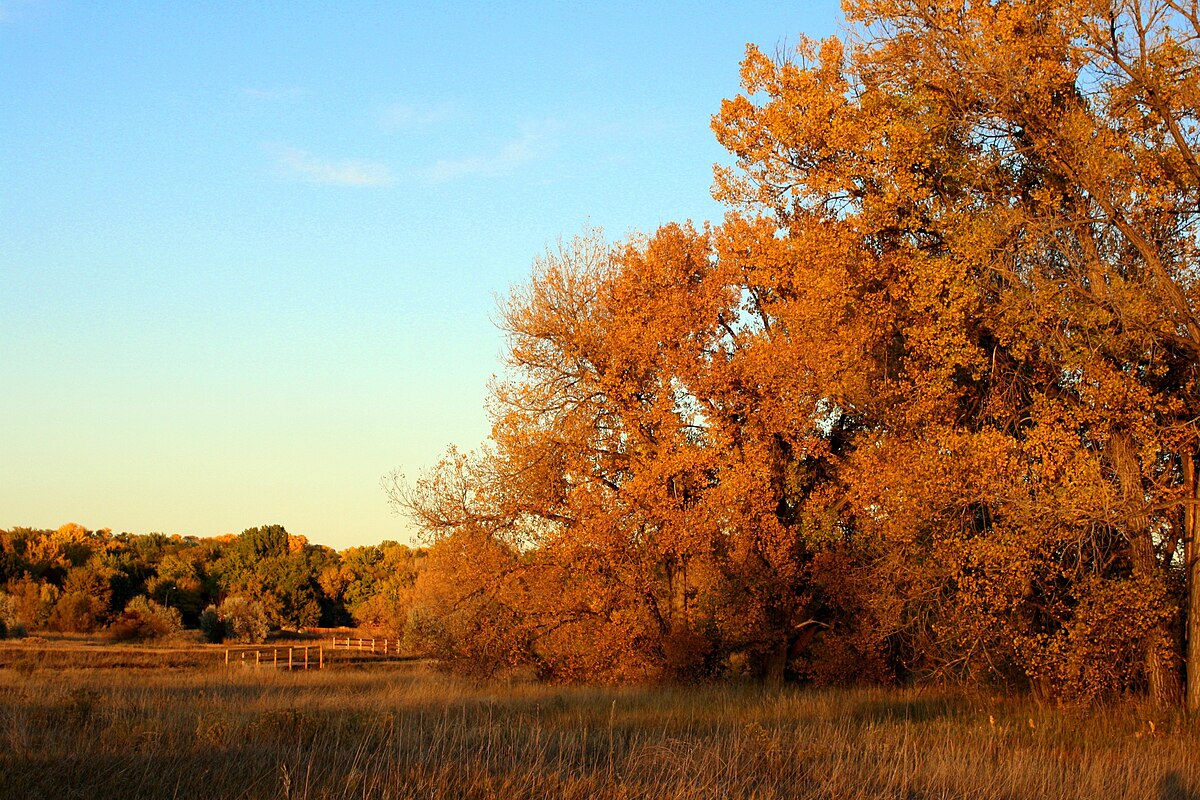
(320, 657)
(257, 653)
(306, 657)
(289, 659)
(227, 656)
(275, 658)
(372, 645)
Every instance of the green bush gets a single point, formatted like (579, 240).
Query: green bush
(245, 620)
(212, 626)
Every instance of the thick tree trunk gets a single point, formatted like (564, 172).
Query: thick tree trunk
(1162, 673)
(777, 663)
(1192, 610)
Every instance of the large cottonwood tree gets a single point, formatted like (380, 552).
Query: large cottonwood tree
(925, 400)
(1017, 179)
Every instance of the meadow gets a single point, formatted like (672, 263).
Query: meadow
(79, 722)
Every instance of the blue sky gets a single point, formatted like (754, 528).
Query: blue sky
(250, 253)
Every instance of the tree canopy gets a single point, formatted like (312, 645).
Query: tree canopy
(921, 406)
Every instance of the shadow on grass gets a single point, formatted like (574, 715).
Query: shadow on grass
(132, 776)
(913, 709)
(1173, 788)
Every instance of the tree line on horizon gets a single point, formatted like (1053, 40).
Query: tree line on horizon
(923, 406)
(132, 586)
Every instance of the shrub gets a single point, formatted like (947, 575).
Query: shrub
(145, 619)
(32, 603)
(76, 612)
(212, 626)
(8, 614)
(11, 626)
(245, 620)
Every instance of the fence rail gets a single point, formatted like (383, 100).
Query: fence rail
(297, 657)
(362, 644)
(310, 656)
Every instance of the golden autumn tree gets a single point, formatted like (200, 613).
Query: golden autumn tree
(588, 473)
(846, 261)
(1012, 188)
(652, 448)
(923, 404)
(750, 438)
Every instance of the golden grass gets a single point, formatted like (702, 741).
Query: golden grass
(402, 731)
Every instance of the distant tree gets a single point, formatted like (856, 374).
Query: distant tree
(43, 555)
(179, 583)
(78, 544)
(245, 619)
(374, 584)
(268, 541)
(281, 572)
(12, 565)
(212, 626)
(145, 619)
(9, 625)
(34, 601)
(85, 602)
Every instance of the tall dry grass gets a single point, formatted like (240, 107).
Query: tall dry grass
(406, 732)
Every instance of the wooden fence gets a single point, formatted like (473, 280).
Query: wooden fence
(310, 656)
(296, 657)
(363, 645)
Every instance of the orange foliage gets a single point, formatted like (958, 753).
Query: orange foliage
(922, 405)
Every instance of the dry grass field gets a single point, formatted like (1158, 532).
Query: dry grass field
(83, 721)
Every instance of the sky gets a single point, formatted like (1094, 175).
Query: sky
(251, 253)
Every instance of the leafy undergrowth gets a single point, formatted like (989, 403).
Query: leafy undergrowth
(406, 732)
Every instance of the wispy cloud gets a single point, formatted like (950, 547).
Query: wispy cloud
(399, 116)
(302, 165)
(504, 161)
